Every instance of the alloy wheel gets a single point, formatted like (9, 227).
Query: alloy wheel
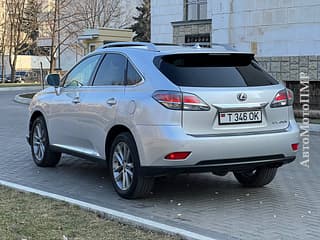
(38, 142)
(122, 166)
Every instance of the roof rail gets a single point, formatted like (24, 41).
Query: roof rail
(149, 46)
(225, 46)
(200, 45)
(166, 44)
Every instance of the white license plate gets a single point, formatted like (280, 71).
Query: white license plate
(240, 117)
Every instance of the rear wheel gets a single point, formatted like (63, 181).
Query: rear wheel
(124, 167)
(39, 140)
(257, 177)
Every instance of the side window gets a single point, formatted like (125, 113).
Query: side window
(132, 76)
(111, 70)
(81, 74)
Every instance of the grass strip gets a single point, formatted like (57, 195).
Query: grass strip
(29, 216)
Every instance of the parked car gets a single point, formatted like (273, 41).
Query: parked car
(152, 110)
(22, 75)
(17, 79)
(2, 79)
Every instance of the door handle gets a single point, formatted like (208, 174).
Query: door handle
(111, 101)
(76, 100)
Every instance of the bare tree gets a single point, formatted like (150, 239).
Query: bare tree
(101, 13)
(16, 38)
(69, 17)
(61, 26)
(3, 45)
(18, 34)
(63, 20)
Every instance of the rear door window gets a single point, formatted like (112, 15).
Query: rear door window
(211, 70)
(111, 70)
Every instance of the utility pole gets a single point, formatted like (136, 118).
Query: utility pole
(57, 5)
(59, 37)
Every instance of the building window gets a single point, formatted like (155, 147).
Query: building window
(202, 39)
(92, 47)
(196, 9)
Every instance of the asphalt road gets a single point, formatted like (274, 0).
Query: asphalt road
(288, 208)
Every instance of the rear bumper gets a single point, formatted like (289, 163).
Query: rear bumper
(224, 165)
(155, 142)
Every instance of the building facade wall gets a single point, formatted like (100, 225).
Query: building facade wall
(269, 28)
(275, 27)
(163, 12)
(288, 68)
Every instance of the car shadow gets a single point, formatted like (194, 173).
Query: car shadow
(192, 188)
(208, 186)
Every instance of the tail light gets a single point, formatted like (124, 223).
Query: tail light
(180, 101)
(283, 98)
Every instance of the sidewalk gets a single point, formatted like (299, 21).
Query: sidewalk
(24, 88)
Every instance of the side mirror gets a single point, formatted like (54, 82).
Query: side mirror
(53, 80)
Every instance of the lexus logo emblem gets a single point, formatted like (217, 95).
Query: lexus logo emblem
(242, 97)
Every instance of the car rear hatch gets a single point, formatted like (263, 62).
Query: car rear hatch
(240, 97)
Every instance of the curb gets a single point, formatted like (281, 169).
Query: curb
(22, 100)
(114, 214)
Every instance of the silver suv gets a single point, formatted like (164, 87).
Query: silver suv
(153, 110)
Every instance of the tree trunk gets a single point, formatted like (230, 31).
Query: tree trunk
(2, 68)
(13, 68)
(52, 58)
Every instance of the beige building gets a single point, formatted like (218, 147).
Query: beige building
(91, 39)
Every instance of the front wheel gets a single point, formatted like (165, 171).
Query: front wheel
(257, 177)
(39, 140)
(124, 167)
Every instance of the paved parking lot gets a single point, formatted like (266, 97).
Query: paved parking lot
(288, 208)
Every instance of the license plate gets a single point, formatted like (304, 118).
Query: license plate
(240, 117)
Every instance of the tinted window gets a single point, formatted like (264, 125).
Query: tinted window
(132, 76)
(111, 70)
(81, 74)
(206, 70)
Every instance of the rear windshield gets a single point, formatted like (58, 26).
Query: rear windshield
(211, 70)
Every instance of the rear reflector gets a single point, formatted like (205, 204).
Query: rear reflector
(295, 146)
(177, 155)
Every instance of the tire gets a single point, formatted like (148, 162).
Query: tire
(39, 142)
(256, 178)
(124, 167)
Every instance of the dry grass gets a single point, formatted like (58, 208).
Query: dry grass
(28, 216)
